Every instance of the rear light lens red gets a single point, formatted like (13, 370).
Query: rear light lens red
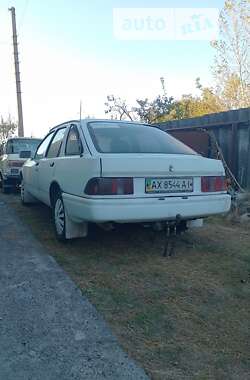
(213, 184)
(110, 186)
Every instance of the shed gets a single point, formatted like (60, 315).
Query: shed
(232, 131)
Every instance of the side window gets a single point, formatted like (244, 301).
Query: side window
(41, 151)
(55, 145)
(9, 147)
(74, 144)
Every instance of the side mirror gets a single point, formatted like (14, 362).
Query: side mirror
(25, 154)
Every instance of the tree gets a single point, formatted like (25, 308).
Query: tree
(7, 128)
(152, 112)
(233, 95)
(192, 106)
(232, 67)
(145, 110)
(118, 108)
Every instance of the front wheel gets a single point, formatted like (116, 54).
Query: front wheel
(59, 217)
(5, 188)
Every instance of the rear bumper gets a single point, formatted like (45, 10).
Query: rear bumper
(142, 210)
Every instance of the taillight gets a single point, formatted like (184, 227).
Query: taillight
(110, 186)
(213, 184)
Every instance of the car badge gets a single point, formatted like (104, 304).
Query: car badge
(171, 168)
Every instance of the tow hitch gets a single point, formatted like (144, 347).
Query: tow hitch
(173, 229)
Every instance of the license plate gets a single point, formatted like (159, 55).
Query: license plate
(169, 185)
(14, 171)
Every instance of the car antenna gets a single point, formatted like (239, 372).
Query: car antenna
(80, 111)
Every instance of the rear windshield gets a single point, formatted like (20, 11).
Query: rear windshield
(17, 145)
(115, 137)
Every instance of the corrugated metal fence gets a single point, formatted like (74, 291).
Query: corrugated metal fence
(232, 131)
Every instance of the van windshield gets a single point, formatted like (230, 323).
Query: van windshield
(122, 137)
(15, 146)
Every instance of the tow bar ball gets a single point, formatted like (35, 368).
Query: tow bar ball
(172, 230)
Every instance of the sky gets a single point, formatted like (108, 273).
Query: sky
(69, 53)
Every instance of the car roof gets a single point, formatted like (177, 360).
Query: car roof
(97, 120)
(23, 138)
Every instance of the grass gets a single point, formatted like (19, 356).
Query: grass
(184, 317)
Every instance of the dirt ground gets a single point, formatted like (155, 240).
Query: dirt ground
(184, 317)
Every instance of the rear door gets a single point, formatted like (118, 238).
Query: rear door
(76, 164)
(48, 164)
(31, 169)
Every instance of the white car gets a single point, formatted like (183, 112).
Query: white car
(13, 154)
(106, 171)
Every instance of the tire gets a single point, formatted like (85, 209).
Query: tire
(59, 217)
(1, 181)
(6, 189)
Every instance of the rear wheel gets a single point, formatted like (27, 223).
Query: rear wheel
(59, 217)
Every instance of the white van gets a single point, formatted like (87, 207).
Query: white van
(13, 155)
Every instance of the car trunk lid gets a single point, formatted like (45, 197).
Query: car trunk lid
(182, 172)
(128, 165)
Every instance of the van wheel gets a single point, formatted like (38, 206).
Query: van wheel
(59, 217)
(5, 189)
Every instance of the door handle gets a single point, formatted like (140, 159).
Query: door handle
(37, 163)
(52, 164)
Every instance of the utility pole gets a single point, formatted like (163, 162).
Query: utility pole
(17, 72)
